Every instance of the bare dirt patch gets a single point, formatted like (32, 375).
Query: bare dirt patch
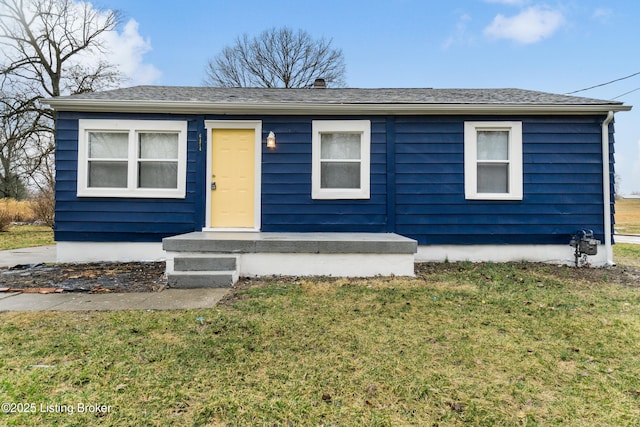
(94, 277)
(620, 274)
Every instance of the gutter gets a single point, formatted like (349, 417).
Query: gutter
(606, 189)
(302, 108)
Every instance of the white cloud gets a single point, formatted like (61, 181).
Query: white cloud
(460, 34)
(529, 26)
(602, 14)
(126, 50)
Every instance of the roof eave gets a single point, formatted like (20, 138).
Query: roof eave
(191, 107)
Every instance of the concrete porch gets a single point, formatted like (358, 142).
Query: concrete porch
(218, 259)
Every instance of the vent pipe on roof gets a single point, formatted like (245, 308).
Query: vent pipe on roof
(319, 84)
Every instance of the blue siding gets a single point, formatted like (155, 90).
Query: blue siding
(121, 219)
(562, 183)
(417, 184)
(286, 183)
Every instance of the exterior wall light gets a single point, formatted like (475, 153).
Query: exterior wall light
(271, 140)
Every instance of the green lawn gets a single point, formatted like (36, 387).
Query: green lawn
(627, 254)
(461, 344)
(25, 236)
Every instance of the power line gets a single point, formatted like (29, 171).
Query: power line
(626, 93)
(603, 84)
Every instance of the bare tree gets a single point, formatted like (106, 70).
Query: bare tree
(44, 46)
(20, 128)
(277, 58)
(43, 40)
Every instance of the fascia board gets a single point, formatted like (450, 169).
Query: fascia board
(178, 107)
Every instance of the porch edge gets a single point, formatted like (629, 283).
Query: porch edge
(313, 243)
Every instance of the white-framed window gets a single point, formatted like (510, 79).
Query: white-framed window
(341, 159)
(132, 158)
(493, 160)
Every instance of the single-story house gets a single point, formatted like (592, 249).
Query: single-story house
(294, 175)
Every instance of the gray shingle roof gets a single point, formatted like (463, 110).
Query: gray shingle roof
(183, 99)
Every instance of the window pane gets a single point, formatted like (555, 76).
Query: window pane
(493, 178)
(339, 175)
(493, 145)
(157, 175)
(158, 146)
(108, 145)
(340, 146)
(107, 174)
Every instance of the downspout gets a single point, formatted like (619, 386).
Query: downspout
(606, 189)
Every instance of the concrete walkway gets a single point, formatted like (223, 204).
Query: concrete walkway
(169, 299)
(36, 255)
(621, 238)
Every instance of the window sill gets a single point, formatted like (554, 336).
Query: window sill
(340, 195)
(491, 196)
(133, 194)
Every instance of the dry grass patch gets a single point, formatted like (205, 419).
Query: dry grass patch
(39, 208)
(627, 216)
(17, 211)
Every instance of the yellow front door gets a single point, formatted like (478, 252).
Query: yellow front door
(233, 178)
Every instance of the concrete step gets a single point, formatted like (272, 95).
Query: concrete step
(202, 279)
(193, 258)
(316, 243)
(203, 263)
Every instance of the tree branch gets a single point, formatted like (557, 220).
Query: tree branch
(276, 58)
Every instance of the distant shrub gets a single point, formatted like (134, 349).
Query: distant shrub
(5, 218)
(43, 206)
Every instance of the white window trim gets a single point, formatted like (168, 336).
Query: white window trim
(471, 160)
(133, 127)
(362, 127)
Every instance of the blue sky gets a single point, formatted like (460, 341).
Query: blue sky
(555, 46)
